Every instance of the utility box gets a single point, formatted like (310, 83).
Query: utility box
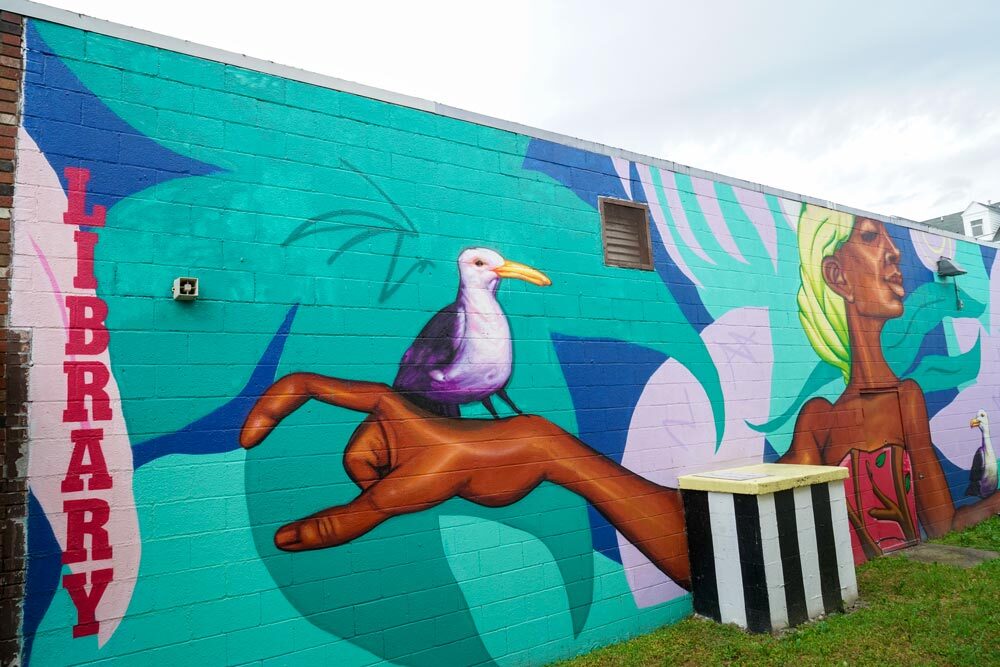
(770, 544)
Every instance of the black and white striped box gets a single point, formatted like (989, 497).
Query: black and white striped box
(770, 547)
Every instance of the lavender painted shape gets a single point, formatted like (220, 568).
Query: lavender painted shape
(656, 209)
(678, 214)
(931, 247)
(950, 427)
(755, 206)
(622, 169)
(704, 190)
(672, 430)
(790, 212)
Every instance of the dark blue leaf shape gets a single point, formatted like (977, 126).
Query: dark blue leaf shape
(122, 161)
(44, 566)
(219, 430)
(605, 378)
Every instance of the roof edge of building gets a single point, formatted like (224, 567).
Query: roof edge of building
(69, 18)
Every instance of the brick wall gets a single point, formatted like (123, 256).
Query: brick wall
(327, 228)
(14, 358)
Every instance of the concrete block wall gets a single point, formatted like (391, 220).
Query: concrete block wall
(172, 518)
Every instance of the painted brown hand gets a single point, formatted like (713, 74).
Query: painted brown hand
(407, 460)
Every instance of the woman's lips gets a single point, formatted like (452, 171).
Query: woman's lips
(895, 282)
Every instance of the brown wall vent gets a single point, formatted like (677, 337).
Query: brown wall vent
(625, 232)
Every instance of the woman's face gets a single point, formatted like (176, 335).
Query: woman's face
(865, 271)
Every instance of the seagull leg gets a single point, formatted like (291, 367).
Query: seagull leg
(506, 399)
(488, 402)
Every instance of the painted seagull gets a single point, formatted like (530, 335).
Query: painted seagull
(983, 476)
(464, 354)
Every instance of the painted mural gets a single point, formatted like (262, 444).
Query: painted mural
(307, 464)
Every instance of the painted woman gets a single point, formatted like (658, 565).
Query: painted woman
(878, 427)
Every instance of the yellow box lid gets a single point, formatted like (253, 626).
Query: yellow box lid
(761, 478)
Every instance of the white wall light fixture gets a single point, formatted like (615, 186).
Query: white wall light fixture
(185, 289)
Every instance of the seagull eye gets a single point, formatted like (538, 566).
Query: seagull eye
(479, 262)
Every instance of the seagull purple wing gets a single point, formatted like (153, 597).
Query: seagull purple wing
(464, 353)
(434, 349)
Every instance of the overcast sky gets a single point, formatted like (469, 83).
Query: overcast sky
(889, 106)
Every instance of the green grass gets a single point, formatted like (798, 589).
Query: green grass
(910, 614)
(984, 536)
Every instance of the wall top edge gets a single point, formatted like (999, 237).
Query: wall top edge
(65, 17)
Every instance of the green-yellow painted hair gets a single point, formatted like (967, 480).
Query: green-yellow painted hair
(821, 310)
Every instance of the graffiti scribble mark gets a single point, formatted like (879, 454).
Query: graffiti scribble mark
(308, 228)
(353, 241)
(681, 420)
(740, 347)
(389, 286)
(373, 225)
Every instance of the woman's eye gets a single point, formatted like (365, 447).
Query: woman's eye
(479, 262)
(868, 237)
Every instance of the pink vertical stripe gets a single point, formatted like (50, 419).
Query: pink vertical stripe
(58, 295)
(755, 206)
(622, 169)
(680, 217)
(704, 190)
(655, 208)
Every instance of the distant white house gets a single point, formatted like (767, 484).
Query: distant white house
(982, 220)
(978, 220)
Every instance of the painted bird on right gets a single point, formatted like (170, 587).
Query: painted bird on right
(983, 476)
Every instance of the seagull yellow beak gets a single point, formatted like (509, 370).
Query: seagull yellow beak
(974, 423)
(522, 272)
